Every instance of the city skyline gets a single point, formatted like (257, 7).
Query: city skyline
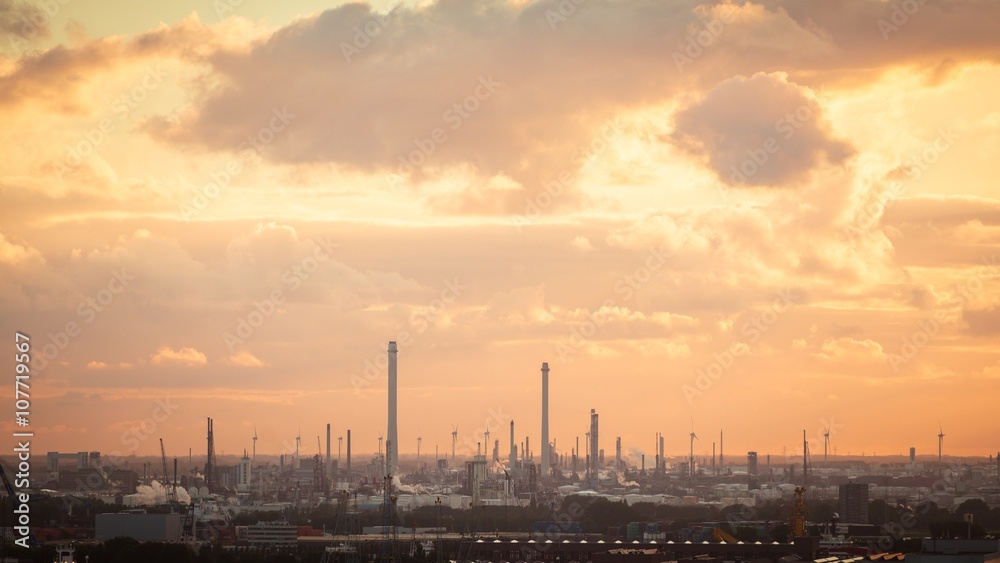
(759, 217)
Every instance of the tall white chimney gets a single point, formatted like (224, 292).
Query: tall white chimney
(513, 448)
(393, 461)
(546, 454)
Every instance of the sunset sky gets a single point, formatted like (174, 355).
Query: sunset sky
(761, 216)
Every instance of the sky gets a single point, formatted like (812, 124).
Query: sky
(763, 217)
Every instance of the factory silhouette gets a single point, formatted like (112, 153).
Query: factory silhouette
(575, 505)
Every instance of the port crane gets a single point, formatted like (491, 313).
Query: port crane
(163, 455)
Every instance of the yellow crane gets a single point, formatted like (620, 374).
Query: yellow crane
(797, 523)
(720, 535)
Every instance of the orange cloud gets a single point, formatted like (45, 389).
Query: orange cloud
(188, 356)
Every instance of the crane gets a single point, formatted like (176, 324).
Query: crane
(720, 535)
(797, 523)
(171, 491)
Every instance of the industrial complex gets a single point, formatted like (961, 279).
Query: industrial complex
(565, 504)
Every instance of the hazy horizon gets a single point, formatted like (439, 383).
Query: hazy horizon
(762, 217)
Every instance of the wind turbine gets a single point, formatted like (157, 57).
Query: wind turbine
(298, 441)
(454, 442)
(940, 442)
(691, 459)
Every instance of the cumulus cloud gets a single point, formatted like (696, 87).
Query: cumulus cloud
(245, 359)
(445, 85)
(187, 356)
(15, 254)
(493, 88)
(759, 131)
(852, 350)
(982, 322)
(22, 21)
(581, 244)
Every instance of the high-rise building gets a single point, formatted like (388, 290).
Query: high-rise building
(243, 474)
(853, 503)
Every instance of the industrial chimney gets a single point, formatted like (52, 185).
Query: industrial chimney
(393, 461)
(546, 454)
(513, 447)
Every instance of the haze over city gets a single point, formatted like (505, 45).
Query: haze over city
(758, 217)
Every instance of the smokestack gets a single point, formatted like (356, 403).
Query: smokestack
(663, 461)
(393, 461)
(618, 453)
(576, 453)
(328, 447)
(348, 453)
(210, 462)
(513, 447)
(721, 462)
(594, 449)
(546, 454)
